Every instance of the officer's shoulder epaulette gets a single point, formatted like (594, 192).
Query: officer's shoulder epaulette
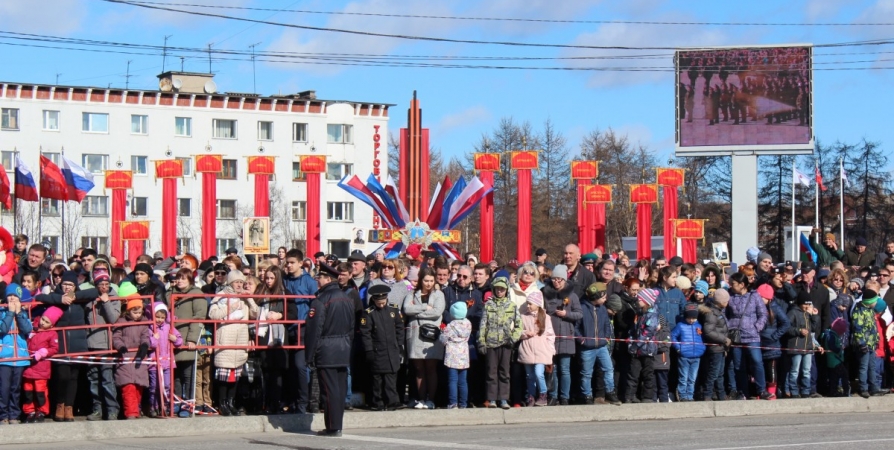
(370, 309)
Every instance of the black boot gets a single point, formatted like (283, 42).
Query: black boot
(224, 408)
(612, 397)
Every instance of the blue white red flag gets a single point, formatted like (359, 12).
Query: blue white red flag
(26, 188)
(78, 179)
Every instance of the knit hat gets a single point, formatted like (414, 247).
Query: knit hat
(535, 298)
(765, 291)
(752, 253)
(859, 282)
(702, 286)
(459, 310)
(53, 314)
(764, 255)
(830, 236)
(101, 274)
(614, 303)
(861, 241)
(413, 251)
(839, 326)
(869, 296)
(501, 282)
(69, 276)
(501, 273)
(159, 306)
(234, 276)
(649, 296)
(134, 303)
(560, 271)
(675, 261)
(691, 311)
(16, 290)
(684, 283)
(804, 298)
(822, 273)
(143, 267)
(594, 290)
(127, 289)
(880, 306)
(721, 296)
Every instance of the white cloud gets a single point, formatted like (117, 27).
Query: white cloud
(56, 17)
(530, 9)
(816, 9)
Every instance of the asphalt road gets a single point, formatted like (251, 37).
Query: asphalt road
(814, 432)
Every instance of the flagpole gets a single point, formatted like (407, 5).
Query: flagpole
(841, 196)
(794, 236)
(15, 206)
(40, 204)
(816, 214)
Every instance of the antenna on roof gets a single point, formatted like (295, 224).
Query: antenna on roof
(164, 52)
(254, 86)
(57, 79)
(181, 62)
(209, 58)
(127, 75)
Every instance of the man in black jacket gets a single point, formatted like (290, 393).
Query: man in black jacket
(579, 276)
(382, 329)
(819, 295)
(330, 332)
(33, 261)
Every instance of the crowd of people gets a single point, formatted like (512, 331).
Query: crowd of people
(429, 332)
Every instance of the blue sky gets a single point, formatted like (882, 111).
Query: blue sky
(461, 104)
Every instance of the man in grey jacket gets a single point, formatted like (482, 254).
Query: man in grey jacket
(101, 311)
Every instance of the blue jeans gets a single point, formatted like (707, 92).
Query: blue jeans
(349, 391)
(868, 376)
(756, 360)
(688, 372)
(714, 377)
(587, 360)
(561, 382)
(456, 382)
(802, 364)
(536, 380)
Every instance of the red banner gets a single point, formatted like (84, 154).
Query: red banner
(670, 177)
(261, 165)
(487, 162)
(689, 228)
(487, 218)
(52, 182)
(523, 252)
(584, 218)
(135, 249)
(523, 160)
(5, 189)
(584, 170)
(135, 230)
(598, 193)
(312, 163)
(119, 211)
(670, 214)
(209, 214)
(118, 179)
(209, 163)
(262, 195)
(644, 231)
(690, 251)
(643, 193)
(169, 168)
(598, 222)
(312, 233)
(169, 215)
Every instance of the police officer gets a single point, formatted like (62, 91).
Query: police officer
(330, 332)
(382, 330)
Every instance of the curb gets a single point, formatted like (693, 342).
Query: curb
(90, 431)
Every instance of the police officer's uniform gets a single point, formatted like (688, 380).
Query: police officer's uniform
(330, 332)
(382, 331)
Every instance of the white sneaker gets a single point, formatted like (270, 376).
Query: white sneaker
(419, 405)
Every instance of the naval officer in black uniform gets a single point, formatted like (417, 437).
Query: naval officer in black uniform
(382, 330)
(330, 332)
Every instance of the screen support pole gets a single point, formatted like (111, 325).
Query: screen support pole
(744, 207)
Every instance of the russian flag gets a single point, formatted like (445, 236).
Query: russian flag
(355, 187)
(26, 188)
(78, 180)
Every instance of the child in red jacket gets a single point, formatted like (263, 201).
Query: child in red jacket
(42, 344)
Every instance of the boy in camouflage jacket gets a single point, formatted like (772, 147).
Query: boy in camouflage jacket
(501, 327)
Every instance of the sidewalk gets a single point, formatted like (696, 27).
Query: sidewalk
(121, 429)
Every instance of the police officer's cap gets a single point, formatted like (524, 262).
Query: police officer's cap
(329, 271)
(378, 291)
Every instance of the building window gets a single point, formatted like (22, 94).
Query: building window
(265, 131)
(95, 163)
(51, 120)
(187, 166)
(339, 134)
(99, 243)
(184, 207)
(94, 205)
(49, 207)
(139, 165)
(223, 129)
(7, 158)
(95, 123)
(183, 126)
(224, 244)
(340, 211)
(138, 206)
(228, 170)
(299, 211)
(226, 209)
(300, 244)
(55, 157)
(297, 174)
(299, 132)
(339, 248)
(337, 171)
(183, 246)
(10, 119)
(138, 124)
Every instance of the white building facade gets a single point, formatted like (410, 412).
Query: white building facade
(108, 129)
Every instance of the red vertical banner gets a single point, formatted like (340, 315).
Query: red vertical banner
(598, 216)
(313, 213)
(487, 218)
(644, 231)
(209, 215)
(168, 217)
(583, 222)
(134, 249)
(424, 195)
(690, 231)
(119, 211)
(690, 250)
(523, 253)
(262, 195)
(670, 213)
(403, 169)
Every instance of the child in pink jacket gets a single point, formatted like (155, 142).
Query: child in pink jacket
(160, 341)
(537, 346)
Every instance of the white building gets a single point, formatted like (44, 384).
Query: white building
(107, 129)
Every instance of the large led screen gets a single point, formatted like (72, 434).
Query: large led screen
(744, 97)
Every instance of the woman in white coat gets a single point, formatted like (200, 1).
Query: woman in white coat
(424, 308)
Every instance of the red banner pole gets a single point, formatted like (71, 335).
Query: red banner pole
(262, 195)
(134, 249)
(690, 250)
(644, 231)
(583, 222)
(486, 238)
(670, 213)
(209, 215)
(313, 213)
(169, 217)
(119, 209)
(523, 252)
(598, 234)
